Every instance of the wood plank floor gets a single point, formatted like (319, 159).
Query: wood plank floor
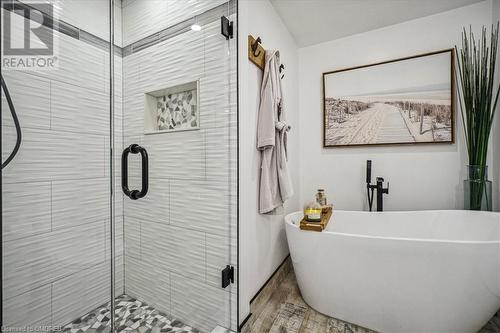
(286, 302)
(286, 312)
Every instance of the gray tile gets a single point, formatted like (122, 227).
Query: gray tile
(177, 111)
(119, 274)
(133, 106)
(200, 305)
(79, 293)
(154, 206)
(90, 106)
(148, 280)
(19, 222)
(222, 155)
(119, 237)
(200, 169)
(132, 238)
(163, 61)
(220, 329)
(181, 153)
(144, 22)
(30, 94)
(31, 308)
(217, 88)
(132, 314)
(35, 261)
(49, 155)
(80, 64)
(175, 249)
(76, 202)
(212, 201)
(220, 251)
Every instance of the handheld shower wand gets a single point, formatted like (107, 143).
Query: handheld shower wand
(369, 187)
(379, 186)
(16, 123)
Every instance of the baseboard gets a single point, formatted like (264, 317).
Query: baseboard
(258, 302)
(244, 322)
(279, 269)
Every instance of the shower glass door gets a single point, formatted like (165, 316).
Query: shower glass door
(178, 105)
(79, 229)
(56, 208)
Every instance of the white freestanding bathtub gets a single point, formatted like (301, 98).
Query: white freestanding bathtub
(405, 272)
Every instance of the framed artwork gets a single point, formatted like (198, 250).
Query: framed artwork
(401, 101)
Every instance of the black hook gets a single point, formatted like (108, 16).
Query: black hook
(255, 47)
(282, 68)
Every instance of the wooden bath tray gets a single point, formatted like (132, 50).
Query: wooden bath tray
(326, 214)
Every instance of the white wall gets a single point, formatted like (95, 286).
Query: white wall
(420, 176)
(263, 244)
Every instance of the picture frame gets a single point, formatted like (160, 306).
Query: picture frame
(402, 101)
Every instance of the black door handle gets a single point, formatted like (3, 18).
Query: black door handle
(135, 149)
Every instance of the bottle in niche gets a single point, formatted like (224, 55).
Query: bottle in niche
(321, 197)
(312, 212)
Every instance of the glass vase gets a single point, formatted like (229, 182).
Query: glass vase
(477, 188)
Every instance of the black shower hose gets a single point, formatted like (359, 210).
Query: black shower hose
(16, 123)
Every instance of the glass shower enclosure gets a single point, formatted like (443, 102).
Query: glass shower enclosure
(119, 165)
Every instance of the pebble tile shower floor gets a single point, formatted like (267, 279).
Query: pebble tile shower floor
(133, 316)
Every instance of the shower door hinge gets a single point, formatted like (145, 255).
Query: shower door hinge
(227, 276)
(226, 27)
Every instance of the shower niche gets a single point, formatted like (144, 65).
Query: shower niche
(172, 109)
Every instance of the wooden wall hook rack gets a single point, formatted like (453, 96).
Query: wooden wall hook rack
(256, 52)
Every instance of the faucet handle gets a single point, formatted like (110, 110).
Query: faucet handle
(386, 190)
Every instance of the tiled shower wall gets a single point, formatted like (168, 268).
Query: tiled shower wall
(56, 191)
(180, 236)
(143, 18)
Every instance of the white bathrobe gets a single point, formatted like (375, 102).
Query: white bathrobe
(272, 129)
